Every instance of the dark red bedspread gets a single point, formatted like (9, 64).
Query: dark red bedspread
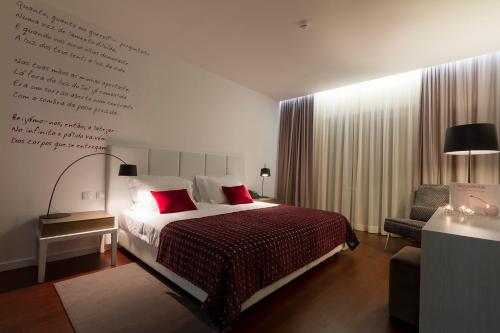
(231, 256)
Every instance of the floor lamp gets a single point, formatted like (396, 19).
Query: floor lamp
(125, 170)
(471, 139)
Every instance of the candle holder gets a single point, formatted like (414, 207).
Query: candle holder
(448, 210)
(465, 211)
(468, 212)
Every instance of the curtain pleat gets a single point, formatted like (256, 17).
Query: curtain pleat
(365, 149)
(457, 93)
(295, 146)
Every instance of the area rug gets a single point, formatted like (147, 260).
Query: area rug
(128, 299)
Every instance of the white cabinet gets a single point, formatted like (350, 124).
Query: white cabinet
(460, 274)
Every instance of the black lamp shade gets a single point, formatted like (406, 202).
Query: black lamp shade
(481, 138)
(127, 170)
(265, 172)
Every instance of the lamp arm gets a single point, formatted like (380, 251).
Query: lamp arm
(69, 166)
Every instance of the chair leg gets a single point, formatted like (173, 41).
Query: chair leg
(387, 241)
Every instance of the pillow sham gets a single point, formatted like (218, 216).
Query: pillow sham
(237, 195)
(140, 188)
(173, 201)
(210, 188)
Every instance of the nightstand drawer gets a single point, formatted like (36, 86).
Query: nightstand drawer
(268, 200)
(76, 223)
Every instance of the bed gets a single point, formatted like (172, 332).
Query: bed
(150, 236)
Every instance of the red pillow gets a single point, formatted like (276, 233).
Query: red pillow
(173, 201)
(237, 195)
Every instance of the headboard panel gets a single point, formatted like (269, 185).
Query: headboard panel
(192, 164)
(216, 165)
(163, 162)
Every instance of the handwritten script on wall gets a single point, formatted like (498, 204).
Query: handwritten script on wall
(66, 65)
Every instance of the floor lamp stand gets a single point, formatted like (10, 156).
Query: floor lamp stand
(262, 191)
(468, 167)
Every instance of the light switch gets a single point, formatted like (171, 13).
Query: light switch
(101, 195)
(88, 195)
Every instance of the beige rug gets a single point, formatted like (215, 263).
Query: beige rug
(128, 299)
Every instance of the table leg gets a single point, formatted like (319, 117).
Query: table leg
(42, 259)
(102, 241)
(114, 245)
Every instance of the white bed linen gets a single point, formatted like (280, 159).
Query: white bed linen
(147, 225)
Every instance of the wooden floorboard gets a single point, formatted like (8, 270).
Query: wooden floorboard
(347, 293)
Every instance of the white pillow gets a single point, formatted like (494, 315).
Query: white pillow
(210, 188)
(201, 189)
(140, 188)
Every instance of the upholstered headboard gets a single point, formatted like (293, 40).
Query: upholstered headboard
(163, 162)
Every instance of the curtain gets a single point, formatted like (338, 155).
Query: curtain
(365, 149)
(457, 93)
(295, 146)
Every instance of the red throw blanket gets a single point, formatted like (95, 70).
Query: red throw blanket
(231, 256)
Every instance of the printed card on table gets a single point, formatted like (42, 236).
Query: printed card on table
(481, 198)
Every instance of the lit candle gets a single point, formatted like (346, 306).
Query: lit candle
(468, 211)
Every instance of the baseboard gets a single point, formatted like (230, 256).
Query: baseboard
(363, 227)
(26, 262)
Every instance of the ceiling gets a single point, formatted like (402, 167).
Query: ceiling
(257, 42)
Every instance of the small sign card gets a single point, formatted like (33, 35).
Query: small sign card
(481, 198)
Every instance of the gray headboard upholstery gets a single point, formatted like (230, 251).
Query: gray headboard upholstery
(163, 162)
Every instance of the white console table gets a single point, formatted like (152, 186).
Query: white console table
(460, 274)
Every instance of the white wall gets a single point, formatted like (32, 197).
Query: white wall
(177, 106)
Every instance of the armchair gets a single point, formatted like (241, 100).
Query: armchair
(428, 199)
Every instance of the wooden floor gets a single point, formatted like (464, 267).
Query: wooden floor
(346, 293)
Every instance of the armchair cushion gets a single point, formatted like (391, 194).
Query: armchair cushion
(432, 195)
(404, 227)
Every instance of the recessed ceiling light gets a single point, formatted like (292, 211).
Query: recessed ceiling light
(304, 25)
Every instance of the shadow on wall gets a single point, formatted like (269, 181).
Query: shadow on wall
(14, 236)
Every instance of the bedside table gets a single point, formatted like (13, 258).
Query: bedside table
(77, 225)
(267, 199)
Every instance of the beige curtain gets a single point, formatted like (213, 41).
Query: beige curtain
(365, 149)
(295, 145)
(457, 93)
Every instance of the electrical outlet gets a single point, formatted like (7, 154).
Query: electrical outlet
(88, 195)
(101, 195)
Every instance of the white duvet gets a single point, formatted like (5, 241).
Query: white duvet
(147, 225)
